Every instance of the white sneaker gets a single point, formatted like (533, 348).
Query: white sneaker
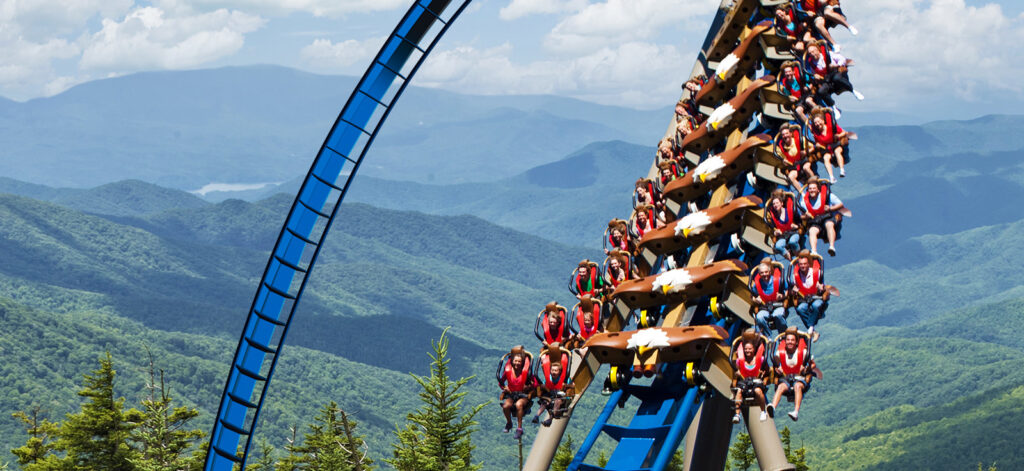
(764, 416)
(736, 419)
(853, 30)
(792, 415)
(859, 95)
(837, 48)
(838, 112)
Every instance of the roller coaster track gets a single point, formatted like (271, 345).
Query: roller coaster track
(686, 402)
(310, 217)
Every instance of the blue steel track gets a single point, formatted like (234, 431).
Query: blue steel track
(309, 219)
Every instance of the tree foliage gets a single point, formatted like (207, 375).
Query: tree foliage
(436, 437)
(797, 457)
(160, 430)
(331, 444)
(741, 453)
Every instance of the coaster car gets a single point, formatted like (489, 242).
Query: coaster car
(732, 68)
(736, 216)
(730, 31)
(714, 171)
(644, 350)
(730, 116)
(724, 279)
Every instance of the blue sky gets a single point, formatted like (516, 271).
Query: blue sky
(934, 58)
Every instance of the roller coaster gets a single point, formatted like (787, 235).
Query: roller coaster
(674, 307)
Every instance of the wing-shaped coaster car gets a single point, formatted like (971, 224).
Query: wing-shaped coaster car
(730, 116)
(714, 171)
(724, 281)
(742, 216)
(730, 31)
(731, 69)
(642, 351)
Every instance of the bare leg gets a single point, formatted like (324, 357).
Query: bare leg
(520, 411)
(830, 232)
(507, 407)
(780, 390)
(798, 395)
(760, 398)
(832, 15)
(819, 24)
(809, 170)
(794, 179)
(812, 237)
(841, 160)
(828, 167)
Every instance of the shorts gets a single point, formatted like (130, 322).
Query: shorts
(749, 385)
(791, 380)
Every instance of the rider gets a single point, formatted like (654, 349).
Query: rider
(791, 147)
(588, 320)
(781, 213)
(588, 282)
(556, 326)
(751, 372)
(794, 371)
(808, 289)
(517, 383)
(553, 386)
(770, 300)
(820, 210)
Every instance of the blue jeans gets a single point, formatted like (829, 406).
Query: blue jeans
(790, 244)
(764, 318)
(811, 312)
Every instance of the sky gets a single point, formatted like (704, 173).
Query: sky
(946, 59)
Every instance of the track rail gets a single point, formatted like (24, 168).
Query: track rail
(309, 219)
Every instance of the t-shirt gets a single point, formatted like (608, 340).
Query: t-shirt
(833, 200)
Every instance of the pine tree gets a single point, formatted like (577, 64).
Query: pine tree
(41, 437)
(742, 453)
(564, 454)
(331, 444)
(263, 458)
(436, 438)
(97, 437)
(160, 432)
(676, 463)
(602, 458)
(797, 457)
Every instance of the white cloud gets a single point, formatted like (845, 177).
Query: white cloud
(148, 39)
(40, 20)
(913, 49)
(326, 8)
(620, 21)
(327, 55)
(633, 74)
(520, 8)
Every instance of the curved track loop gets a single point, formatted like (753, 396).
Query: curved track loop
(308, 221)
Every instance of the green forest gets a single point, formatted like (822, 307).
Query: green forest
(913, 380)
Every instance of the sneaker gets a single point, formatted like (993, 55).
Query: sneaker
(771, 411)
(546, 422)
(814, 336)
(508, 427)
(764, 416)
(859, 95)
(838, 112)
(536, 419)
(832, 180)
(842, 173)
(792, 415)
(736, 419)
(519, 432)
(853, 30)
(832, 251)
(837, 48)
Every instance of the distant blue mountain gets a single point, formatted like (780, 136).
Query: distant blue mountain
(185, 129)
